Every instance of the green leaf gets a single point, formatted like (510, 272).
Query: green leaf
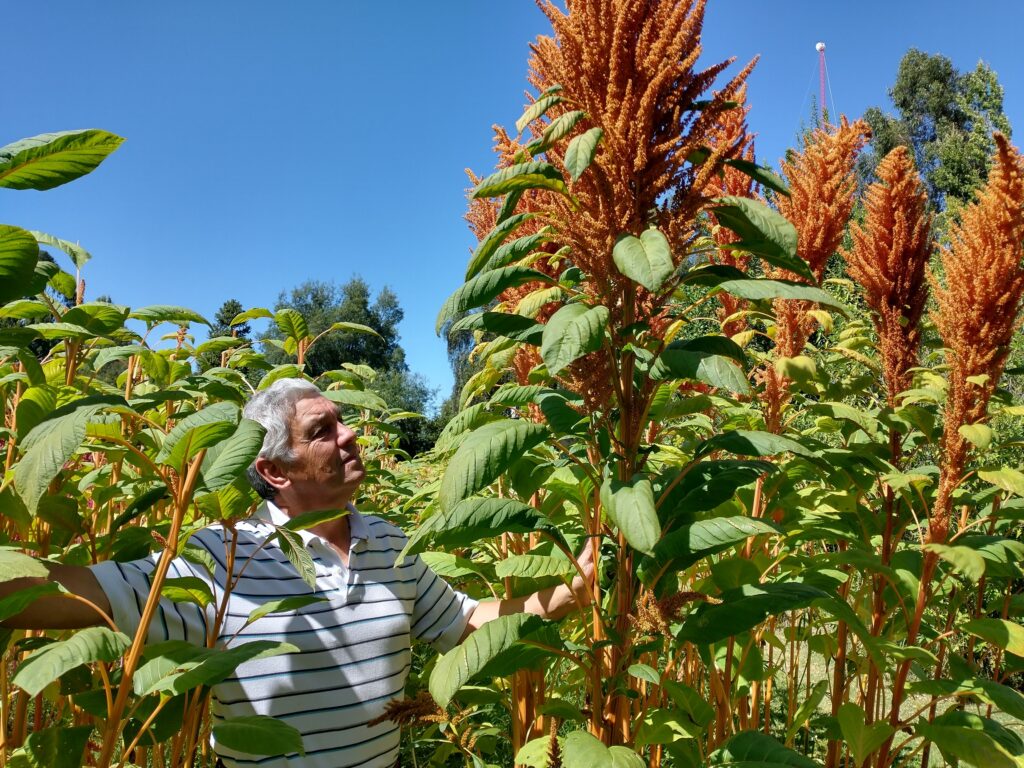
(1009, 479)
(861, 739)
(236, 454)
(533, 566)
(57, 747)
(646, 259)
(573, 331)
(1005, 634)
(297, 554)
(807, 708)
(486, 247)
(759, 173)
(711, 359)
(167, 313)
(964, 560)
(187, 589)
(48, 663)
(356, 398)
(284, 605)
(449, 566)
(353, 328)
(251, 314)
(744, 608)
(313, 518)
(485, 454)
(581, 151)
(747, 443)
(753, 749)
(78, 254)
(562, 417)
(51, 159)
(471, 520)
(762, 231)
(483, 288)
(977, 741)
(197, 431)
(521, 176)
(15, 565)
(760, 290)
(630, 506)
(258, 735)
(689, 544)
(19, 253)
(291, 323)
(175, 666)
(52, 443)
(978, 435)
(501, 324)
(535, 110)
(557, 129)
(455, 668)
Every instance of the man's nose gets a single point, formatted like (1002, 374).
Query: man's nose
(345, 433)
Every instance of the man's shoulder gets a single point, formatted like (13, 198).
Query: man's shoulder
(379, 528)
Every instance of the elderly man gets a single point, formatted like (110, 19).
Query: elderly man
(354, 644)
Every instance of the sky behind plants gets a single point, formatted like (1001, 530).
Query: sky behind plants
(271, 143)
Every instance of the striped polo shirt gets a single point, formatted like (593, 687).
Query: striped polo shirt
(354, 647)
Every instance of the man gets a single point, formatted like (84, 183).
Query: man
(354, 641)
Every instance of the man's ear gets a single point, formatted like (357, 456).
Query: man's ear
(273, 473)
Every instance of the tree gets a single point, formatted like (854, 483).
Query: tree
(947, 118)
(222, 326)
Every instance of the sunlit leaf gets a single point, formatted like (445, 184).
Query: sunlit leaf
(51, 159)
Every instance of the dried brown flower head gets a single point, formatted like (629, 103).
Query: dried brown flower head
(979, 302)
(654, 616)
(888, 258)
(410, 712)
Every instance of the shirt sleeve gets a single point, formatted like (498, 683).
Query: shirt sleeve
(127, 588)
(440, 614)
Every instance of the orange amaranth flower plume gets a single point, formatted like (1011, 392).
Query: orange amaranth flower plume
(822, 191)
(978, 311)
(888, 258)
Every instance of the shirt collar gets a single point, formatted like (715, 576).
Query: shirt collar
(269, 512)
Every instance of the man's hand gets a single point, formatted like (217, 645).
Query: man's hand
(552, 603)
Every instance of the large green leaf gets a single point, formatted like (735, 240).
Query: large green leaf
(52, 443)
(455, 668)
(759, 290)
(78, 254)
(19, 253)
(646, 259)
(48, 663)
(744, 608)
(51, 159)
(518, 249)
(861, 738)
(519, 177)
(747, 443)
(485, 454)
(581, 151)
(471, 520)
(483, 288)
(630, 505)
(581, 749)
(57, 747)
(235, 455)
(291, 323)
(16, 565)
(167, 313)
(690, 543)
(557, 129)
(18, 601)
(1003, 633)
(175, 666)
(762, 231)
(284, 605)
(486, 247)
(759, 173)
(573, 331)
(99, 318)
(753, 749)
(356, 398)
(258, 735)
(501, 324)
(715, 360)
(533, 566)
(977, 741)
(197, 431)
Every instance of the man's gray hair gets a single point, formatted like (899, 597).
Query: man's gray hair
(273, 409)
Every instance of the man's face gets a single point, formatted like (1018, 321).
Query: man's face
(327, 469)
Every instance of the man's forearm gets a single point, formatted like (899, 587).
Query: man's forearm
(59, 611)
(551, 603)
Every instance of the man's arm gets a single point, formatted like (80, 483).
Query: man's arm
(59, 612)
(552, 603)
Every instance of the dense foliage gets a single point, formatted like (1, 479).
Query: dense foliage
(795, 475)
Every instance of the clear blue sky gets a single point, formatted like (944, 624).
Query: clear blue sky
(270, 143)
